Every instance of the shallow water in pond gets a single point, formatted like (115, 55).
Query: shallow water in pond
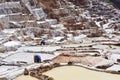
(79, 73)
(25, 78)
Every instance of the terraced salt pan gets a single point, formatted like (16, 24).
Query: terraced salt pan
(79, 73)
(26, 57)
(77, 45)
(101, 46)
(39, 48)
(5, 68)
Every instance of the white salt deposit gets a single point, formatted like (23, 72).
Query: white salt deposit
(114, 57)
(101, 46)
(9, 31)
(6, 68)
(2, 16)
(114, 68)
(12, 44)
(51, 21)
(26, 57)
(57, 39)
(79, 38)
(58, 26)
(39, 48)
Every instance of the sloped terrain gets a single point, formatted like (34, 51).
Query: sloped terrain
(73, 26)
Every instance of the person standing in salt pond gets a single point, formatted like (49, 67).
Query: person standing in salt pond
(42, 41)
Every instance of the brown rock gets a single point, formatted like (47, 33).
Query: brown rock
(26, 72)
(33, 74)
(118, 60)
(50, 78)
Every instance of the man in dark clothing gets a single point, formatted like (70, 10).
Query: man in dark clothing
(42, 41)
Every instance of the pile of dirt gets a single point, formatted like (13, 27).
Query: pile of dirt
(48, 5)
(95, 61)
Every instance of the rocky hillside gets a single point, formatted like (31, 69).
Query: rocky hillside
(59, 21)
(82, 25)
(41, 17)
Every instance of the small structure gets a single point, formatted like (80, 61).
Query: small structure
(39, 13)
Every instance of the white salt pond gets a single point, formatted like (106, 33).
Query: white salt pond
(26, 57)
(39, 48)
(79, 73)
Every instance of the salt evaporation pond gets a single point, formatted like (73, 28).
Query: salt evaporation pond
(25, 78)
(79, 73)
(74, 73)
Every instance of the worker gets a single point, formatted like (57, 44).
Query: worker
(37, 59)
(43, 41)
